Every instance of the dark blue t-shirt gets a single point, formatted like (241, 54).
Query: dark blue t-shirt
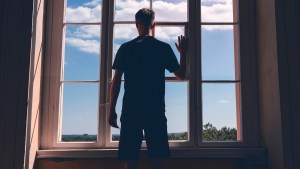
(143, 61)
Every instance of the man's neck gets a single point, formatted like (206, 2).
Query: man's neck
(146, 33)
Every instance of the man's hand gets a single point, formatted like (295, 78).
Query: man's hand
(114, 93)
(182, 45)
(112, 119)
(182, 48)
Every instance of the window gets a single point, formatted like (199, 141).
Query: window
(220, 82)
(206, 109)
(168, 27)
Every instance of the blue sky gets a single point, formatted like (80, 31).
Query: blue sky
(82, 62)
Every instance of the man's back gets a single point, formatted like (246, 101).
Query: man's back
(143, 61)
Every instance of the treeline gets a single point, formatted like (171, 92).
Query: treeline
(210, 133)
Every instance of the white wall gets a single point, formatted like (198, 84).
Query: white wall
(34, 106)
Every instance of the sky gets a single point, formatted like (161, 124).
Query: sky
(82, 62)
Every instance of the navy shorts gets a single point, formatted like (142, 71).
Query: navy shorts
(156, 136)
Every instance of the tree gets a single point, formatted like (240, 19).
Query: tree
(211, 133)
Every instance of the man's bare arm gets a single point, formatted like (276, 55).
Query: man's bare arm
(114, 93)
(182, 48)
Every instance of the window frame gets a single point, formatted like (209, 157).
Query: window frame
(111, 24)
(238, 65)
(247, 67)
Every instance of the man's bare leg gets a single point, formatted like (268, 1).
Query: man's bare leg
(131, 164)
(157, 163)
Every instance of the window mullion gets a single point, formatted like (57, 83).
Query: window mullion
(198, 74)
(109, 25)
(103, 76)
(191, 32)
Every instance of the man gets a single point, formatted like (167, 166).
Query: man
(143, 61)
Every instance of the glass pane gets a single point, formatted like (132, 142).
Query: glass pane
(79, 112)
(125, 10)
(83, 11)
(218, 53)
(82, 53)
(216, 11)
(220, 112)
(170, 10)
(116, 132)
(169, 34)
(176, 100)
(123, 33)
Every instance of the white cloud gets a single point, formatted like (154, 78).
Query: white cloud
(124, 31)
(168, 33)
(86, 32)
(217, 11)
(84, 13)
(116, 48)
(89, 46)
(223, 101)
(92, 3)
(212, 10)
(170, 11)
(126, 9)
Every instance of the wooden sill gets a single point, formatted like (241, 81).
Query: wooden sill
(175, 152)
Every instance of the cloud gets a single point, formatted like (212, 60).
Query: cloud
(170, 11)
(124, 31)
(89, 46)
(116, 47)
(126, 9)
(217, 11)
(85, 32)
(85, 13)
(212, 10)
(168, 33)
(223, 101)
(92, 3)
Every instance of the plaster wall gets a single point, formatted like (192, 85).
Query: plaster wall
(268, 84)
(34, 106)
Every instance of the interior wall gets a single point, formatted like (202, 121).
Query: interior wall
(269, 96)
(34, 106)
(15, 42)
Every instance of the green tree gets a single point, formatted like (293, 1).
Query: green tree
(211, 133)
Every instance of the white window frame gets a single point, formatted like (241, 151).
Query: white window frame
(248, 89)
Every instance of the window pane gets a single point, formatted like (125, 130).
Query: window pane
(79, 112)
(83, 11)
(123, 33)
(125, 9)
(170, 10)
(220, 112)
(176, 99)
(218, 56)
(116, 132)
(169, 34)
(82, 53)
(216, 11)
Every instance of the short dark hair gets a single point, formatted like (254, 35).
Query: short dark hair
(145, 17)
